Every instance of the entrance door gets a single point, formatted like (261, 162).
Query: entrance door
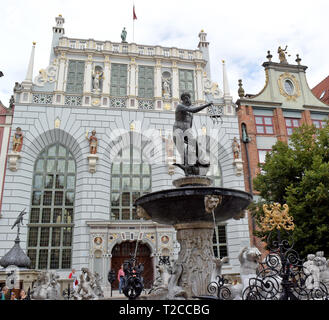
(121, 253)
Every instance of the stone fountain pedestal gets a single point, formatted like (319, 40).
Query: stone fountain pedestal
(190, 208)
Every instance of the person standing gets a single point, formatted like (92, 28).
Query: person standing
(23, 295)
(121, 274)
(74, 278)
(4, 293)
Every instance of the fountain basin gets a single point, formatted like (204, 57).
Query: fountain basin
(187, 204)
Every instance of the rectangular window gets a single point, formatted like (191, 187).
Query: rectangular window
(291, 124)
(220, 242)
(181, 54)
(99, 46)
(118, 80)
(319, 123)
(190, 55)
(264, 125)
(75, 76)
(141, 50)
(186, 82)
(145, 82)
(72, 44)
(82, 45)
(150, 51)
(115, 48)
(166, 52)
(262, 155)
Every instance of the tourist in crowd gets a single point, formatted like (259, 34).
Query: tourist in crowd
(74, 278)
(23, 295)
(121, 274)
(4, 293)
(13, 296)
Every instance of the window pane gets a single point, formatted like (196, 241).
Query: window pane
(71, 166)
(136, 168)
(67, 237)
(68, 216)
(37, 182)
(223, 251)
(52, 151)
(115, 199)
(126, 199)
(134, 214)
(57, 217)
(115, 183)
(61, 151)
(33, 237)
(289, 131)
(54, 259)
(316, 123)
(125, 214)
(66, 259)
(59, 182)
(61, 166)
(49, 181)
(221, 234)
(69, 198)
(58, 198)
(50, 166)
(146, 184)
(46, 212)
(47, 198)
(39, 165)
(126, 168)
(135, 195)
(295, 123)
(146, 168)
(259, 129)
(56, 237)
(34, 216)
(116, 168)
(136, 184)
(44, 237)
(288, 122)
(70, 182)
(267, 120)
(32, 254)
(36, 198)
(125, 183)
(215, 252)
(269, 130)
(115, 214)
(43, 259)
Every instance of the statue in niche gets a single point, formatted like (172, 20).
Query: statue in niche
(97, 79)
(236, 148)
(282, 54)
(124, 35)
(18, 140)
(193, 157)
(166, 87)
(93, 141)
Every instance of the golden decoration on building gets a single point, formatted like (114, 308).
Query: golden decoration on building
(57, 123)
(275, 217)
(296, 89)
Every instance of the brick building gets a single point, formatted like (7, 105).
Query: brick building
(321, 90)
(285, 102)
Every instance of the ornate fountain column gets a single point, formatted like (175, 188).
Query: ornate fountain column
(195, 256)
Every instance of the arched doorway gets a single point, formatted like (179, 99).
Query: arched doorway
(122, 251)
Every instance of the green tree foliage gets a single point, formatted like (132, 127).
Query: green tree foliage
(298, 174)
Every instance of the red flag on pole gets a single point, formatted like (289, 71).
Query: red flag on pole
(134, 14)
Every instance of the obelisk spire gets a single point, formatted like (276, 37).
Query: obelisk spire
(29, 73)
(226, 88)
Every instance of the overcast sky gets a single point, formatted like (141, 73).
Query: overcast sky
(239, 31)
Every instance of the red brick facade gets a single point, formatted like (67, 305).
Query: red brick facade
(321, 90)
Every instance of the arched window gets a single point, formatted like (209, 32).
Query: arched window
(50, 229)
(130, 179)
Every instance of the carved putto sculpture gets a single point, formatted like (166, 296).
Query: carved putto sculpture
(46, 287)
(312, 270)
(18, 140)
(93, 141)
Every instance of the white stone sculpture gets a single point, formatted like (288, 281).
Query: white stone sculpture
(312, 271)
(217, 271)
(46, 287)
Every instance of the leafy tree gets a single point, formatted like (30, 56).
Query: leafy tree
(298, 174)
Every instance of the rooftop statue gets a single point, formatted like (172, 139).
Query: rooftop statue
(282, 54)
(124, 35)
(193, 157)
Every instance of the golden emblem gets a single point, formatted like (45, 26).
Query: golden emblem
(276, 218)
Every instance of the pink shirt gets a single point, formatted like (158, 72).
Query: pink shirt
(120, 273)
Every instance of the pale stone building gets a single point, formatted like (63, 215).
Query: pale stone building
(80, 202)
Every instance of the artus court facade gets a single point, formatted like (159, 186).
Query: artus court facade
(79, 187)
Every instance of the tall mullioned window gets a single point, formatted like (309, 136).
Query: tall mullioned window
(145, 82)
(118, 80)
(130, 179)
(50, 229)
(220, 242)
(75, 76)
(186, 82)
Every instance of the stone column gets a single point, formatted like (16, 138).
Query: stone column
(199, 88)
(88, 74)
(175, 81)
(60, 83)
(132, 83)
(195, 257)
(107, 76)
